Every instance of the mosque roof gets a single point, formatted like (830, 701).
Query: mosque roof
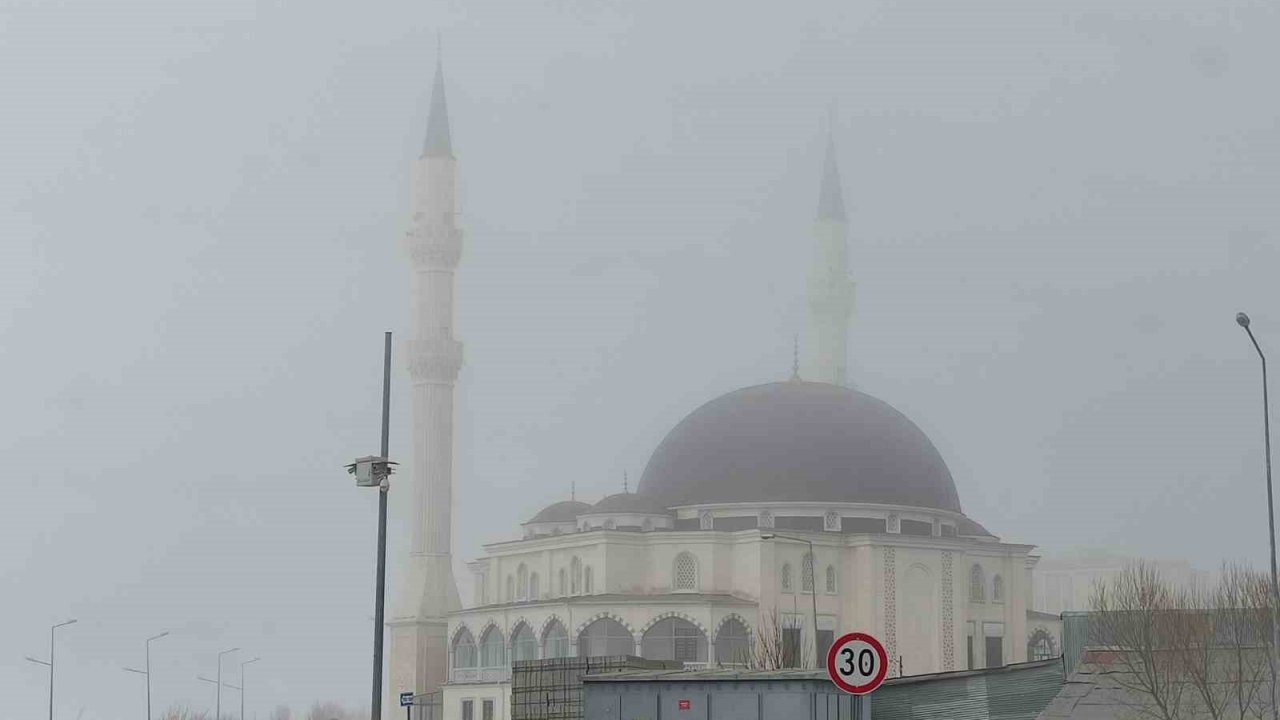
(627, 502)
(799, 441)
(563, 511)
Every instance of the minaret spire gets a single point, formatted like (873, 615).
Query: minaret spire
(830, 288)
(439, 142)
(830, 192)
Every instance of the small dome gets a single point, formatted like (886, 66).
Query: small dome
(634, 503)
(563, 511)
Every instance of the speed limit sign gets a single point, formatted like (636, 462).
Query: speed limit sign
(857, 663)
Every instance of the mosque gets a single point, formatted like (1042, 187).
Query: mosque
(764, 509)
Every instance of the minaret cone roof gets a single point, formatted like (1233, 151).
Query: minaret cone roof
(831, 194)
(438, 142)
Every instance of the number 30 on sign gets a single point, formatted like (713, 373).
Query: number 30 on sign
(857, 663)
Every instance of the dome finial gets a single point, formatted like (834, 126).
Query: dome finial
(626, 482)
(795, 357)
(573, 491)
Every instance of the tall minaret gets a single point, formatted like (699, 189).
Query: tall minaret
(419, 625)
(830, 289)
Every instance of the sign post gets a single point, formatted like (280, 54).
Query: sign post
(406, 702)
(857, 663)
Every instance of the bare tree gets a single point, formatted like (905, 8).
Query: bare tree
(182, 712)
(1190, 651)
(1132, 617)
(778, 643)
(282, 712)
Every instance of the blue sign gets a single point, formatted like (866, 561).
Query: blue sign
(406, 699)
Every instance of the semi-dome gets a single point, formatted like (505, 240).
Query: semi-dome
(799, 441)
(561, 512)
(631, 503)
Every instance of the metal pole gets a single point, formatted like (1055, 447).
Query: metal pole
(51, 631)
(218, 701)
(380, 593)
(1243, 320)
(246, 662)
(813, 587)
(55, 627)
(150, 640)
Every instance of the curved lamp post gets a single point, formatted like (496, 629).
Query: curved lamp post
(813, 582)
(246, 662)
(50, 663)
(147, 671)
(1243, 321)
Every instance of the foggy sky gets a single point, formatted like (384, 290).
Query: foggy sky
(1056, 209)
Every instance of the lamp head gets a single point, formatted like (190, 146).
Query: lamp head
(767, 536)
(1242, 320)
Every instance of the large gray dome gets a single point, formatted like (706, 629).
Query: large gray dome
(799, 441)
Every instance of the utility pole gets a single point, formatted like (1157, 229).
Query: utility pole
(375, 471)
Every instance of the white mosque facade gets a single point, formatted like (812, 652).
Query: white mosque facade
(765, 508)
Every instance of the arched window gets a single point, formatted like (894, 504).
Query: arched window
(587, 587)
(606, 636)
(997, 589)
(491, 654)
(610, 524)
(647, 525)
(685, 576)
(1040, 645)
(524, 646)
(511, 588)
(575, 572)
(674, 638)
(786, 578)
(977, 584)
(533, 586)
(555, 641)
(522, 582)
(831, 579)
(733, 643)
(806, 573)
(464, 649)
(564, 589)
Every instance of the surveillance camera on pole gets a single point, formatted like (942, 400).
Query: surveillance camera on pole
(372, 471)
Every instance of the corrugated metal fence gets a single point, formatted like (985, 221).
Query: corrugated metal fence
(1010, 693)
(1075, 637)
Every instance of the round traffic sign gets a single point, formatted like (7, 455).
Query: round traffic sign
(857, 663)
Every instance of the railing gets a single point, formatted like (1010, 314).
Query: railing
(480, 675)
(696, 665)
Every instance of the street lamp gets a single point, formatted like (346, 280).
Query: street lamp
(147, 672)
(218, 704)
(376, 472)
(1243, 321)
(813, 582)
(50, 663)
(246, 662)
